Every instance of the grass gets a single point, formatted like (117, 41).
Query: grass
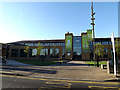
(91, 63)
(38, 62)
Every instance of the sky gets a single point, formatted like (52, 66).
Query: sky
(51, 20)
(119, 18)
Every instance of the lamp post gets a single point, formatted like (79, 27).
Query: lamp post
(93, 32)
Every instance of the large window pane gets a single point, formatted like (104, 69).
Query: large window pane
(44, 52)
(105, 50)
(32, 52)
(105, 56)
(14, 53)
(54, 53)
(22, 53)
(76, 47)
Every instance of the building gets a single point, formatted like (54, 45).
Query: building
(3, 50)
(72, 48)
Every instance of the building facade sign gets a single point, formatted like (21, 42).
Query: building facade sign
(85, 44)
(68, 43)
(89, 35)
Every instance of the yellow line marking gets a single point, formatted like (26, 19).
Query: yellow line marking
(53, 83)
(101, 87)
(69, 85)
(65, 84)
(115, 83)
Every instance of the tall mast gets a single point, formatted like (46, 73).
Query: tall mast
(93, 32)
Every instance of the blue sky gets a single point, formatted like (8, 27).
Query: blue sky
(50, 20)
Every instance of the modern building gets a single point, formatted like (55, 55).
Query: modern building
(72, 48)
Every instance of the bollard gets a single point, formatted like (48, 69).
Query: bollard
(110, 67)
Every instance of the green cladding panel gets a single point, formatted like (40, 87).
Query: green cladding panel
(89, 35)
(68, 42)
(85, 44)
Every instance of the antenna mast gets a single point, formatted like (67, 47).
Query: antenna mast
(93, 32)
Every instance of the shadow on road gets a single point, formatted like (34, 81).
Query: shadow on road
(113, 80)
(32, 70)
(69, 64)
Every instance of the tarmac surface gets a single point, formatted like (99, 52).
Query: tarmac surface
(73, 70)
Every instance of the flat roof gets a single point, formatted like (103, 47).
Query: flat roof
(42, 41)
(105, 39)
(58, 40)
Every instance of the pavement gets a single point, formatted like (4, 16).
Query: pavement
(14, 63)
(73, 70)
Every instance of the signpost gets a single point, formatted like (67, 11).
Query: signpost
(113, 44)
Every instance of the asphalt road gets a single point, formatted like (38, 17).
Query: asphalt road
(9, 81)
(79, 75)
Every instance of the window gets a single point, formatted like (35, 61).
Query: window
(68, 54)
(41, 44)
(77, 47)
(22, 43)
(29, 44)
(35, 44)
(111, 50)
(90, 43)
(45, 44)
(110, 43)
(32, 52)
(54, 53)
(105, 50)
(22, 53)
(51, 44)
(105, 56)
(14, 53)
(104, 43)
(44, 52)
(77, 40)
(97, 42)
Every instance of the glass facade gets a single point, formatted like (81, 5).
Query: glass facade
(77, 47)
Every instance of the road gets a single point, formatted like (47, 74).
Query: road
(74, 74)
(9, 81)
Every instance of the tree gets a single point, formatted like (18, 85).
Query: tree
(54, 51)
(117, 48)
(39, 47)
(26, 49)
(99, 49)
